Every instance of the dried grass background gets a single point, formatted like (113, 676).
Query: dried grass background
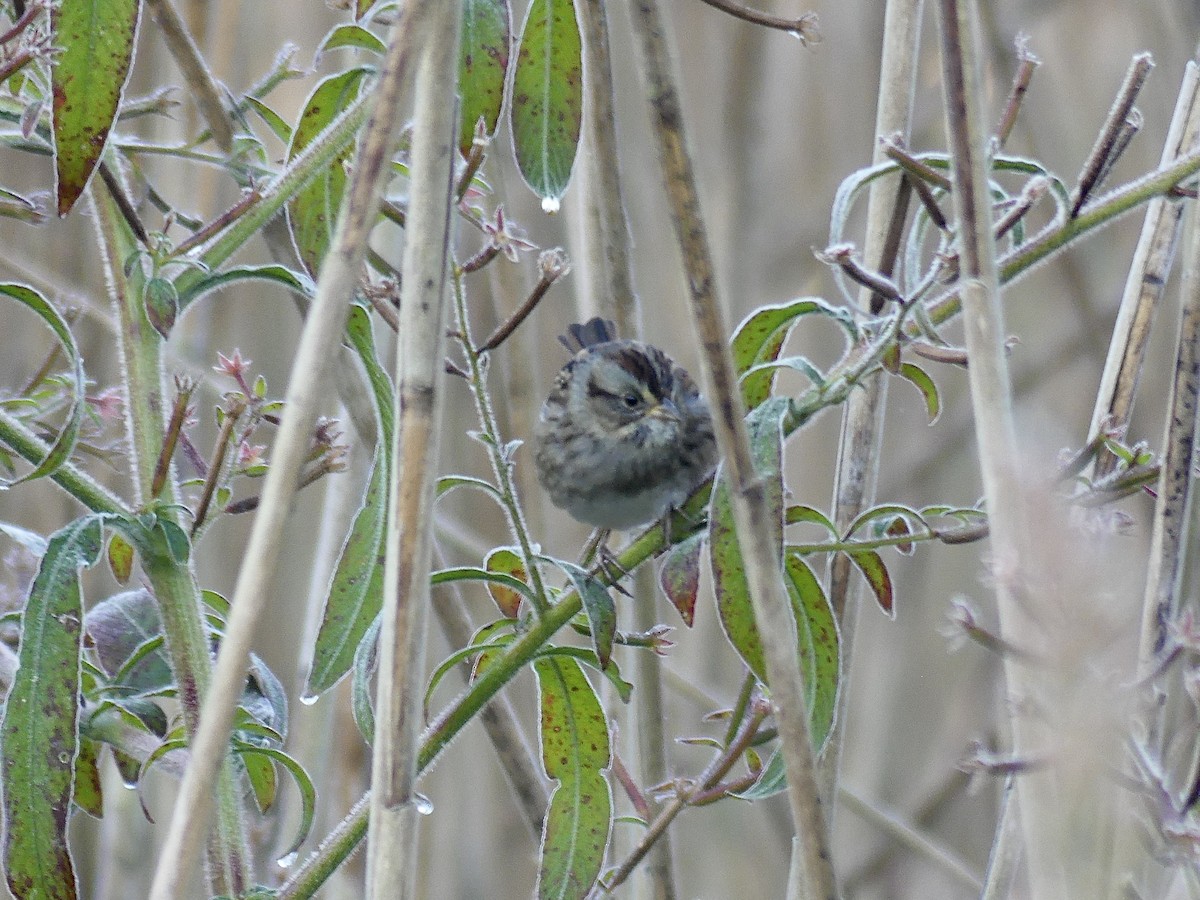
(774, 127)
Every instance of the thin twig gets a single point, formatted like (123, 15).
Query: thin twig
(128, 213)
(552, 266)
(908, 835)
(804, 27)
(1096, 161)
(183, 395)
(1012, 106)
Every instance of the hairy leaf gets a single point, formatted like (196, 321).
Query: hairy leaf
(575, 752)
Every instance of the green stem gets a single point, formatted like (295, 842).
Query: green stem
(500, 464)
(15, 434)
(315, 157)
(174, 585)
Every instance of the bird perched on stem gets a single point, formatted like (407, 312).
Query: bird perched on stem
(624, 436)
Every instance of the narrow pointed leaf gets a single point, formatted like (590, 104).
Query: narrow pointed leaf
(575, 752)
(40, 730)
(546, 112)
(93, 43)
(64, 444)
(312, 213)
(482, 66)
(820, 648)
(871, 565)
(600, 609)
(298, 282)
(923, 383)
(356, 589)
(732, 590)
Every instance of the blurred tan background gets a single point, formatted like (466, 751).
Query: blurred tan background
(775, 126)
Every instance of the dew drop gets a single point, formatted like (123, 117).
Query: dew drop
(286, 862)
(423, 804)
(550, 205)
(309, 699)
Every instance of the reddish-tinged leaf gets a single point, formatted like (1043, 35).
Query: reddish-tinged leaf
(923, 383)
(505, 561)
(680, 576)
(93, 43)
(871, 565)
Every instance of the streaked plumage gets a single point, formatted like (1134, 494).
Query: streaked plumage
(624, 436)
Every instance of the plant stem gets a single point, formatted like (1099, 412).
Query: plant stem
(318, 343)
(501, 466)
(175, 588)
(772, 610)
(391, 853)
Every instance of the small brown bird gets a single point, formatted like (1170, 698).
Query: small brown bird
(624, 436)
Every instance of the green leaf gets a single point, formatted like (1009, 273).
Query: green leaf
(820, 648)
(93, 51)
(308, 793)
(885, 513)
(472, 573)
(493, 635)
(801, 513)
(40, 730)
(356, 589)
(120, 558)
(162, 305)
(276, 274)
(352, 36)
(732, 590)
(506, 561)
(761, 335)
(274, 121)
(599, 606)
(88, 796)
(312, 213)
(361, 695)
(64, 444)
(575, 752)
(680, 576)
(482, 66)
(546, 112)
(588, 657)
(759, 380)
(447, 483)
(260, 773)
(923, 383)
(771, 780)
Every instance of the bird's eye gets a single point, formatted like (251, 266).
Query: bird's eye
(631, 401)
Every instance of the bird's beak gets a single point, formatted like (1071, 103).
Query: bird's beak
(666, 410)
